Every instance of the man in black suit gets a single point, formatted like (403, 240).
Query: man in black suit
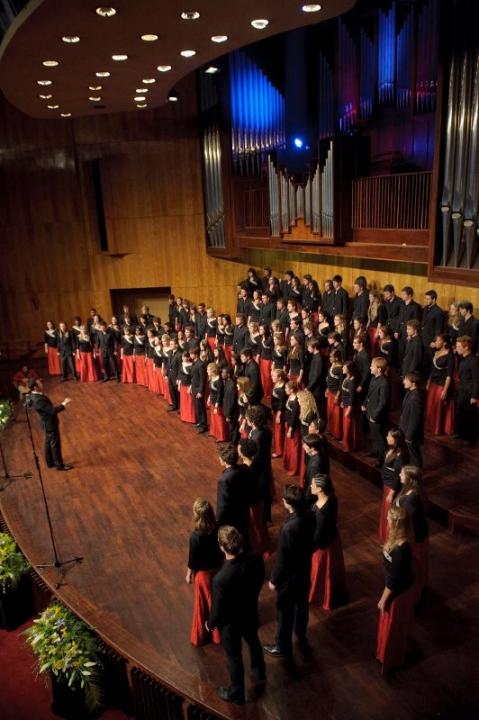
(316, 380)
(240, 333)
(467, 391)
(107, 347)
(411, 421)
(318, 458)
(361, 299)
(363, 364)
(340, 303)
(291, 576)
(262, 436)
(414, 349)
(234, 611)
(432, 325)
(469, 325)
(197, 389)
(230, 403)
(251, 371)
(408, 310)
(393, 306)
(173, 366)
(66, 348)
(233, 495)
(376, 408)
(48, 414)
(268, 309)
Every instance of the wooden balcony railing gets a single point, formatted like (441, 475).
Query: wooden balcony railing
(392, 201)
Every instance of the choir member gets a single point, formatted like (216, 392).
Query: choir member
(409, 310)
(318, 459)
(292, 441)
(323, 329)
(229, 341)
(191, 340)
(432, 326)
(187, 402)
(51, 349)
(333, 395)
(234, 612)
(308, 410)
(413, 355)
(243, 304)
(254, 282)
(240, 334)
(267, 276)
(351, 407)
(218, 426)
(467, 392)
(201, 320)
(282, 314)
(233, 492)
(258, 529)
(440, 403)
(396, 604)
(412, 499)
(376, 408)
(127, 358)
(244, 385)
(266, 359)
(204, 560)
(341, 329)
(317, 427)
(173, 366)
(252, 372)
(66, 349)
(285, 284)
(107, 348)
(115, 329)
(453, 322)
(469, 325)
(387, 349)
(291, 575)
(363, 364)
(262, 436)
(211, 328)
(280, 352)
(85, 361)
(254, 340)
(129, 318)
(393, 306)
(411, 421)
(335, 342)
(139, 354)
(328, 301)
(377, 318)
(48, 414)
(396, 457)
(268, 309)
(340, 302)
(328, 576)
(230, 404)
(361, 299)
(274, 290)
(255, 307)
(197, 389)
(278, 407)
(316, 372)
(295, 360)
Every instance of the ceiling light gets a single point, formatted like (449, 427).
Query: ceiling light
(53, 107)
(190, 15)
(45, 97)
(65, 114)
(119, 58)
(141, 90)
(163, 68)
(44, 82)
(95, 87)
(148, 81)
(149, 37)
(50, 63)
(105, 11)
(260, 24)
(311, 8)
(71, 39)
(219, 38)
(139, 98)
(211, 70)
(141, 105)
(173, 96)
(95, 98)
(188, 53)
(103, 74)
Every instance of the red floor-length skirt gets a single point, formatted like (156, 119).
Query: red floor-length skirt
(128, 369)
(211, 342)
(335, 417)
(258, 532)
(303, 461)
(218, 425)
(266, 379)
(201, 609)
(141, 371)
(383, 515)
(328, 576)
(373, 341)
(278, 438)
(395, 630)
(352, 435)
(439, 415)
(87, 370)
(187, 405)
(150, 374)
(54, 367)
(166, 388)
(292, 453)
(160, 381)
(228, 353)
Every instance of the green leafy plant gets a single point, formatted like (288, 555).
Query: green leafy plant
(66, 647)
(12, 563)
(6, 410)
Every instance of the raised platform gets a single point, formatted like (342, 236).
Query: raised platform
(126, 508)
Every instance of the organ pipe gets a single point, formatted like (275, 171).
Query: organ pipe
(327, 195)
(326, 112)
(426, 57)
(316, 202)
(367, 81)
(284, 190)
(472, 181)
(386, 54)
(274, 201)
(404, 56)
(213, 187)
(461, 160)
(347, 90)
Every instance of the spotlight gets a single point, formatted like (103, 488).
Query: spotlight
(298, 142)
(173, 96)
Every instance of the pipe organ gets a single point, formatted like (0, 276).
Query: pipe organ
(404, 60)
(368, 72)
(326, 104)
(427, 49)
(347, 63)
(386, 54)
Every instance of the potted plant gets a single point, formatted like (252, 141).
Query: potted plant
(15, 596)
(67, 649)
(6, 410)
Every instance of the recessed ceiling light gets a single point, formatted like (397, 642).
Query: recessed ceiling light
(105, 11)
(71, 39)
(45, 97)
(149, 37)
(95, 87)
(141, 90)
(190, 15)
(311, 8)
(141, 105)
(50, 63)
(53, 107)
(173, 96)
(95, 98)
(260, 24)
(139, 98)
(65, 114)
(119, 58)
(44, 82)
(188, 53)
(104, 73)
(219, 38)
(211, 70)
(163, 68)
(148, 81)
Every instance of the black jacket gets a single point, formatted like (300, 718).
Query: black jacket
(65, 343)
(106, 342)
(317, 465)
(411, 421)
(262, 460)
(340, 303)
(198, 378)
(46, 410)
(361, 306)
(295, 547)
(393, 310)
(240, 337)
(316, 373)
(468, 369)
(377, 400)
(413, 355)
(255, 393)
(432, 323)
(173, 365)
(230, 400)
(233, 499)
(236, 587)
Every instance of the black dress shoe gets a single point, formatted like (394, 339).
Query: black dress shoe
(225, 695)
(201, 430)
(64, 467)
(275, 651)
(104, 380)
(172, 409)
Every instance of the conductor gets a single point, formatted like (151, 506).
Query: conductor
(49, 423)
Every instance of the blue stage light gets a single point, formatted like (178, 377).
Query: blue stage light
(298, 143)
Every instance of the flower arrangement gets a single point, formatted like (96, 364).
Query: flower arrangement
(6, 411)
(66, 647)
(12, 563)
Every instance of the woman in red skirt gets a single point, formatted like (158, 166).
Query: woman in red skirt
(244, 385)
(211, 328)
(155, 384)
(387, 348)
(278, 407)
(292, 442)
(258, 527)
(266, 360)
(296, 360)
(333, 395)
(205, 558)
(377, 317)
(51, 343)
(328, 577)
(218, 426)
(351, 408)
(396, 604)
(439, 414)
(127, 358)
(229, 333)
(84, 354)
(411, 498)
(397, 456)
(187, 403)
(139, 354)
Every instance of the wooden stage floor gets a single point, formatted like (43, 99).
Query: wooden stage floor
(126, 508)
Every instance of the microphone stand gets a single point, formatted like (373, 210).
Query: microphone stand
(57, 563)
(6, 475)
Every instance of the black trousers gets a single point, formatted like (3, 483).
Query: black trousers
(292, 606)
(174, 394)
(109, 366)
(377, 432)
(200, 411)
(466, 418)
(415, 457)
(53, 448)
(233, 426)
(231, 642)
(67, 365)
